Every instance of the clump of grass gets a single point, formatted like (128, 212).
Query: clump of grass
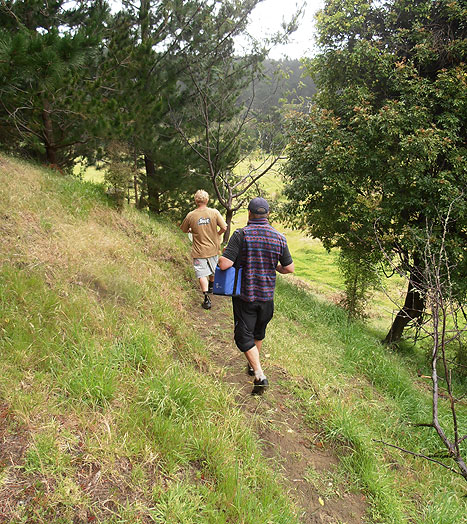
(44, 456)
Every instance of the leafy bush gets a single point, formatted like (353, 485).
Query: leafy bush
(361, 276)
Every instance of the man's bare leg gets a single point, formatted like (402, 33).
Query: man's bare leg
(252, 355)
(203, 284)
(261, 382)
(258, 344)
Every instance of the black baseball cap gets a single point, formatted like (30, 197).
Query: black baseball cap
(258, 206)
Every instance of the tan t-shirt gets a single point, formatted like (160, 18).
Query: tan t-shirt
(203, 224)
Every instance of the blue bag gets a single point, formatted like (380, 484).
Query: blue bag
(227, 282)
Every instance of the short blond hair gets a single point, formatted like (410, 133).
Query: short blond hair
(201, 197)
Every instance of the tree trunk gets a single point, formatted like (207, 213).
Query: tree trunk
(142, 201)
(228, 221)
(154, 203)
(414, 306)
(144, 19)
(135, 187)
(49, 143)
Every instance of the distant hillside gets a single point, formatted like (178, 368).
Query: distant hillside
(123, 401)
(283, 81)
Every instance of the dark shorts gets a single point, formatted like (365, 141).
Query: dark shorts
(251, 319)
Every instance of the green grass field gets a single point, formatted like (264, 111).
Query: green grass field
(89, 174)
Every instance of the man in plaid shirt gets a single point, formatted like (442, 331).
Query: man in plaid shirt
(263, 251)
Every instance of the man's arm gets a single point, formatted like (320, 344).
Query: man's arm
(230, 252)
(286, 264)
(221, 224)
(285, 269)
(224, 263)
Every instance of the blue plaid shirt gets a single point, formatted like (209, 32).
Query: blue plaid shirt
(262, 248)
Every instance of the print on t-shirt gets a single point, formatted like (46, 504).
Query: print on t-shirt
(204, 221)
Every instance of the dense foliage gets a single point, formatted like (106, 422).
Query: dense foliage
(138, 72)
(46, 52)
(380, 158)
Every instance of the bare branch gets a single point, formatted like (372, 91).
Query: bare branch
(418, 455)
(255, 178)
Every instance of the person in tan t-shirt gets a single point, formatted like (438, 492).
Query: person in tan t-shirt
(206, 226)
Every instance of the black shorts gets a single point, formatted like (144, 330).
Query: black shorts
(251, 319)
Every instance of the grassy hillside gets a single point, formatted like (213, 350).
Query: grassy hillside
(122, 401)
(104, 415)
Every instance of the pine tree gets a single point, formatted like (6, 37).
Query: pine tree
(139, 81)
(45, 52)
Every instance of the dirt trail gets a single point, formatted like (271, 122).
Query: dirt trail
(292, 446)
